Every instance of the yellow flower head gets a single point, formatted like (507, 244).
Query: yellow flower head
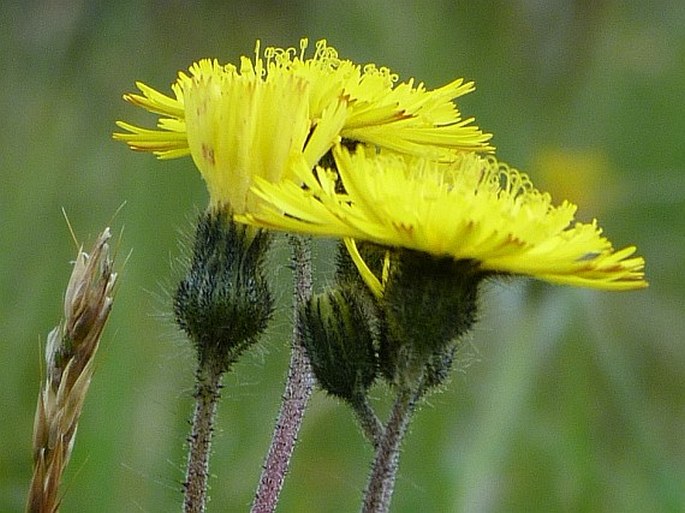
(474, 208)
(246, 121)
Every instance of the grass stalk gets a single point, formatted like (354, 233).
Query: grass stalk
(69, 356)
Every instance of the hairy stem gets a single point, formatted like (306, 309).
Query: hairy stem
(368, 420)
(207, 394)
(298, 389)
(386, 462)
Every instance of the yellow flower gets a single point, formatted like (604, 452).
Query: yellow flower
(405, 117)
(236, 125)
(240, 122)
(474, 208)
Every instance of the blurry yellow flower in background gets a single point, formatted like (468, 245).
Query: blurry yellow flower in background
(584, 176)
(251, 120)
(474, 208)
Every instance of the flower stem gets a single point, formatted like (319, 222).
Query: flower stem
(298, 389)
(207, 394)
(386, 462)
(368, 420)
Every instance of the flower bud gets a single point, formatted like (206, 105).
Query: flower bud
(224, 303)
(339, 340)
(427, 304)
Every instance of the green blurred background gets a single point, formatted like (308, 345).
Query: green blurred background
(567, 400)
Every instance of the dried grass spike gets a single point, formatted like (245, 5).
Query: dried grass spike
(69, 356)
